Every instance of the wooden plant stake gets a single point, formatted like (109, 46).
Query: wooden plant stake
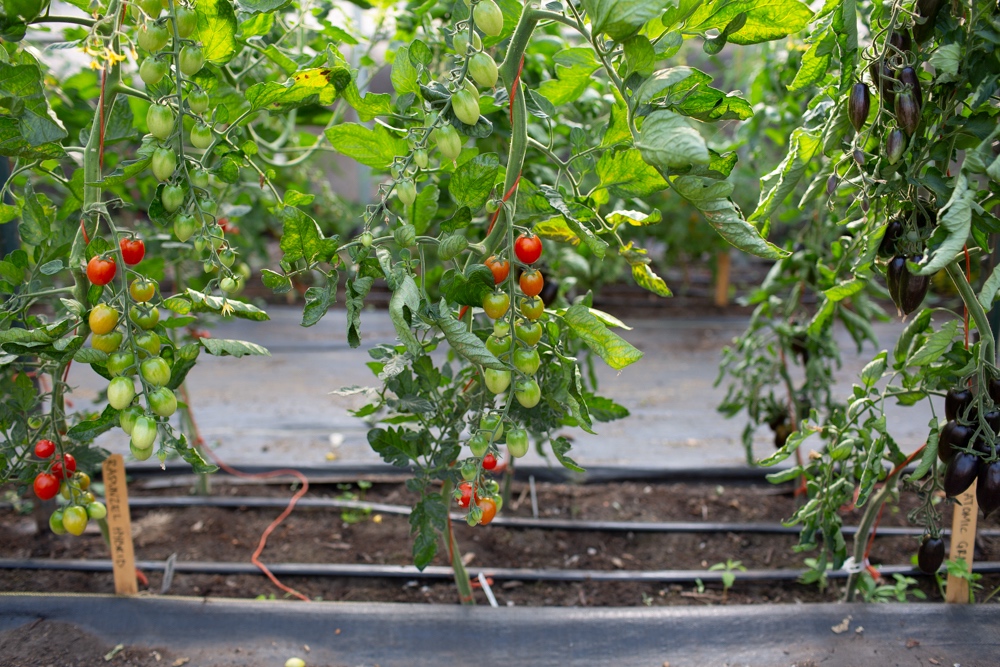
(119, 525)
(722, 279)
(963, 543)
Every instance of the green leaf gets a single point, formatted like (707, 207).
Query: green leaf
(470, 288)
(276, 282)
(216, 30)
(815, 63)
(37, 217)
(626, 174)
(668, 142)
(945, 60)
(403, 306)
(428, 520)
(574, 68)
(604, 409)
(404, 74)
(647, 279)
(396, 446)
(712, 198)
(464, 342)
(930, 452)
(556, 229)
(88, 430)
(369, 106)
(184, 361)
(639, 56)
(916, 326)
(473, 182)
(622, 18)
(872, 372)
(560, 448)
(634, 218)
(318, 302)
(425, 208)
(715, 44)
(357, 290)
(791, 444)
(956, 218)
(845, 289)
(935, 345)
(202, 303)
(766, 20)
(609, 346)
(301, 238)
(88, 355)
(305, 87)
(261, 6)
(662, 80)
(221, 347)
(618, 130)
(803, 146)
(375, 148)
(30, 117)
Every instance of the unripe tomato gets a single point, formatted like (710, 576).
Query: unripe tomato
(163, 402)
(488, 507)
(184, 227)
(532, 307)
(528, 248)
(451, 246)
(405, 235)
(500, 268)
(187, 21)
(483, 70)
(151, 7)
(497, 381)
(192, 59)
(497, 345)
(501, 328)
(64, 490)
(488, 18)
(420, 158)
(531, 282)
(479, 443)
(121, 363)
(469, 470)
(46, 486)
(229, 285)
(145, 317)
(201, 135)
(366, 239)
(407, 192)
(96, 510)
(101, 271)
(197, 101)
(526, 360)
(199, 178)
(517, 442)
(466, 107)
(152, 70)
(461, 42)
(149, 343)
(103, 319)
(142, 290)
(529, 332)
(133, 250)
(127, 417)
(527, 393)
(74, 520)
(152, 36)
(164, 163)
(172, 197)
(492, 424)
(496, 305)
(56, 523)
(44, 449)
(155, 371)
(227, 256)
(143, 433)
(160, 121)
(448, 142)
(121, 391)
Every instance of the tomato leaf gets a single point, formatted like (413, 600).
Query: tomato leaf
(626, 174)
(220, 347)
(574, 68)
(216, 30)
(765, 19)
(473, 182)
(357, 290)
(201, 303)
(88, 430)
(955, 217)
(375, 148)
(397, 447)
(560, 448)
(403, 307)
(470, 288)
(621, 18)
(668, 142)
(612, 348)
(775, 186)
(464, 342)
(428, 520)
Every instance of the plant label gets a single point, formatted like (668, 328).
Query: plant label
(119, 525)
(963, 542)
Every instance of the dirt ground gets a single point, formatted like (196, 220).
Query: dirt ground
(333, 536)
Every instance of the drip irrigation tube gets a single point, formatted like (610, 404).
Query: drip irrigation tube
(517, 522)
(442, 572)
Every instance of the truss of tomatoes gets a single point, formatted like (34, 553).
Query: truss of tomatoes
(61, 478)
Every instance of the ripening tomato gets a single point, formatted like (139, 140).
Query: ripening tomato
(121, 391)
(500, 268)
(528, 248)
(496, 304)
(127, 417)
(74, 520)
(142, 290)
(102, 319)
(489, 19)
(531, 282)
(100, 271)
(106, 343)
(82, 480)
(46, 486)
(44, 449)
(529, 332)
(133, 250)
(96, 510)
(488, 507)
(184, 227)
(497, 346)
(466, 106)
(56, 523)
(148, 343)
(145, 317)
(155, 371)
(64, 467)
(526, 360)
(532, 307)
(164, 163)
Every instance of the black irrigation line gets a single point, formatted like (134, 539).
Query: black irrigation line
(442, 572)
(513, 521)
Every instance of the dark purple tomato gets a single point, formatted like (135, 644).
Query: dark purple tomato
(913, 289)
(926, 9)
(993, 389)
(993, 419)
(930, 556)
(988, 486)
(908, 76)
(956, 402)
(954, 436)
(960, 474)
(858, 105)
(907, 112)
(893, 232)
(894, 277)
(901, 40)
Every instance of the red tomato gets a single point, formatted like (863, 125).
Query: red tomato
(499, 268)
(531, 282)
(46, 486)
(466, 489)
(44, 449)
(133, 250)
(70, 463)
(528, 248)
(489, 462)
(100, 271)
(489, 509)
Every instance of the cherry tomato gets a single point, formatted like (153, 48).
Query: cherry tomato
(46, 486)
(197, 101)
(151, 7)
(496, 345)
(152, 70)
(120, 363)
(465, 488)
(74, 520)
(528, 248)
(164, 163)
(201, 136)
(465, 104)
(496, 304)
(479, 443)
(56, 523)
(184, 227)
(145, 317)
(493, 424)
(127, 417)
(489, 19)
(489, 462)
(67, 462)
(160, 121)
(531, 282)
(142, 290)
(163, 402)
(192, 59)
(497, 381)
(96, 510)
(133, 250)
(152, 36)
(102, 319)
(528, 393)
(187, 21)
(121, 391)
(501, 328)
(155, 371)
(526, 360)
(529, 332)
(143, 434)
(149, 343)
(82, 480)
(532, 307)
(500, 269)
(44, 449)
(100, 271)
(108, 342)
(487, 505)
(517, 442)
(172, 197)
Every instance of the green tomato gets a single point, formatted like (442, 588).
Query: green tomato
(145, 317)
(121, 363)
(155, 371)
(461, 42)
(448, 142)
(488, 17)
(187, 21)
(127, 417)
(228, 257)
(532, 307)
(490, 487)
(420, 158)
(74, 520)
(144, 433)
(96, 510)
(483, 70)
(163, 402)
(528, 393)
(149, 343)
(160, 120)
(501, 328)
(152, 36)
(496, 305)
(192, 59)
(184, 227)
(470, 469)
(526, 360)
(407, 192)
(229, 285)
(121, 391)
(199, 179)
(152, 70)
(492, 423)
(497, 345)
(172, 198)
(517, 442)
(405, 235)
(197, 101)
(479, 443)
(56, 523)
(529, 332)
(108, 342)
(164, 163)
(466, 107)
(366, 239)
(151, 7)
(139, 453)
(497, 381)
(201, 136)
